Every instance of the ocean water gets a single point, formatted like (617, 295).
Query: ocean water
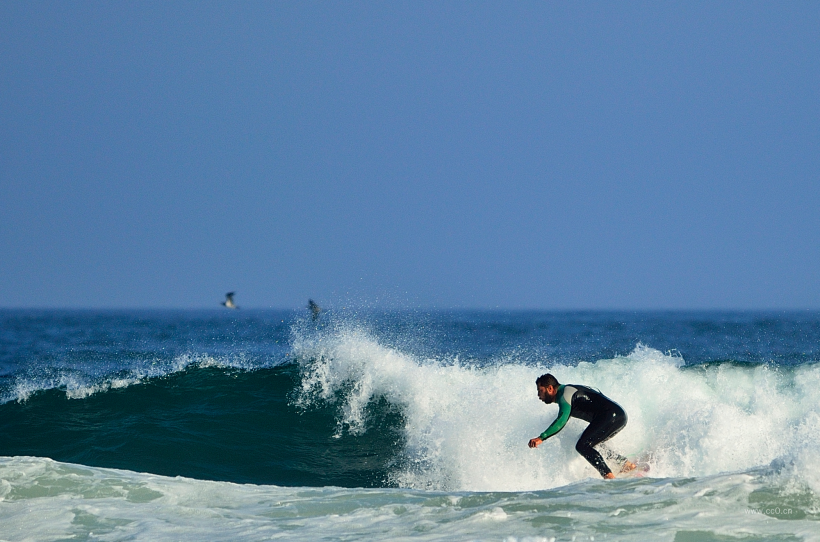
(394, 425)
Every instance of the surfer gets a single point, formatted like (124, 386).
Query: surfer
(314, 309)
(605, 417)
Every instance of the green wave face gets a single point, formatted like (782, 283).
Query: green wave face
(206, 423)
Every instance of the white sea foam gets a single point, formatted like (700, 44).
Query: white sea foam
(44, 500)
(467, 428)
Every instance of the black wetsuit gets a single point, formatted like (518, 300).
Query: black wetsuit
(605, 417)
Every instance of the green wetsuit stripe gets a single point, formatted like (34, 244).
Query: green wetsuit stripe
(564, 409)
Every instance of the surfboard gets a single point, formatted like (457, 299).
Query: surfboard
(641, 467)
(638, 472)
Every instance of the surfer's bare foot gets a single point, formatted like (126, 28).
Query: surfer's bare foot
(609, 476)
(628, 466)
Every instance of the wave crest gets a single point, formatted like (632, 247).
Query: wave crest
(466, 427)
(80, 383)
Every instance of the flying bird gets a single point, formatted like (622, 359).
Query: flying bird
(228, 303)
(314, 308)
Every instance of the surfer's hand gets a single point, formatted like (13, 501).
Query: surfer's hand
(534, 442)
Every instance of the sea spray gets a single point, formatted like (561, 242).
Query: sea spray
(466, 427)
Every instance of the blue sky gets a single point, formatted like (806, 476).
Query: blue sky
(544, 155)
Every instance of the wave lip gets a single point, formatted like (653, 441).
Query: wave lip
(80, 383)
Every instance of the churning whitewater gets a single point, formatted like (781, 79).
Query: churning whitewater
(466, 427)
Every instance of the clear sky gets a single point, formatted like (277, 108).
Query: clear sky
(543, 155)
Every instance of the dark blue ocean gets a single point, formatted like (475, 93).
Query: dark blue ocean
(364, 424)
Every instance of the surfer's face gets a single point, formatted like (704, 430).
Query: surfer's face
(546, 394)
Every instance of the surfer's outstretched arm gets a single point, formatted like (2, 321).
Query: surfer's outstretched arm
(564, 409)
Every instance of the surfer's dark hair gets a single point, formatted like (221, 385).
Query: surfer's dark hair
(547, 380)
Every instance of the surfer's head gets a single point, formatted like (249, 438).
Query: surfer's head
(547, 387)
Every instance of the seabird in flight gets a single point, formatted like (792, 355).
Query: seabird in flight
(228, 303)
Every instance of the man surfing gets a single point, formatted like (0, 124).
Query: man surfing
(605, 417)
